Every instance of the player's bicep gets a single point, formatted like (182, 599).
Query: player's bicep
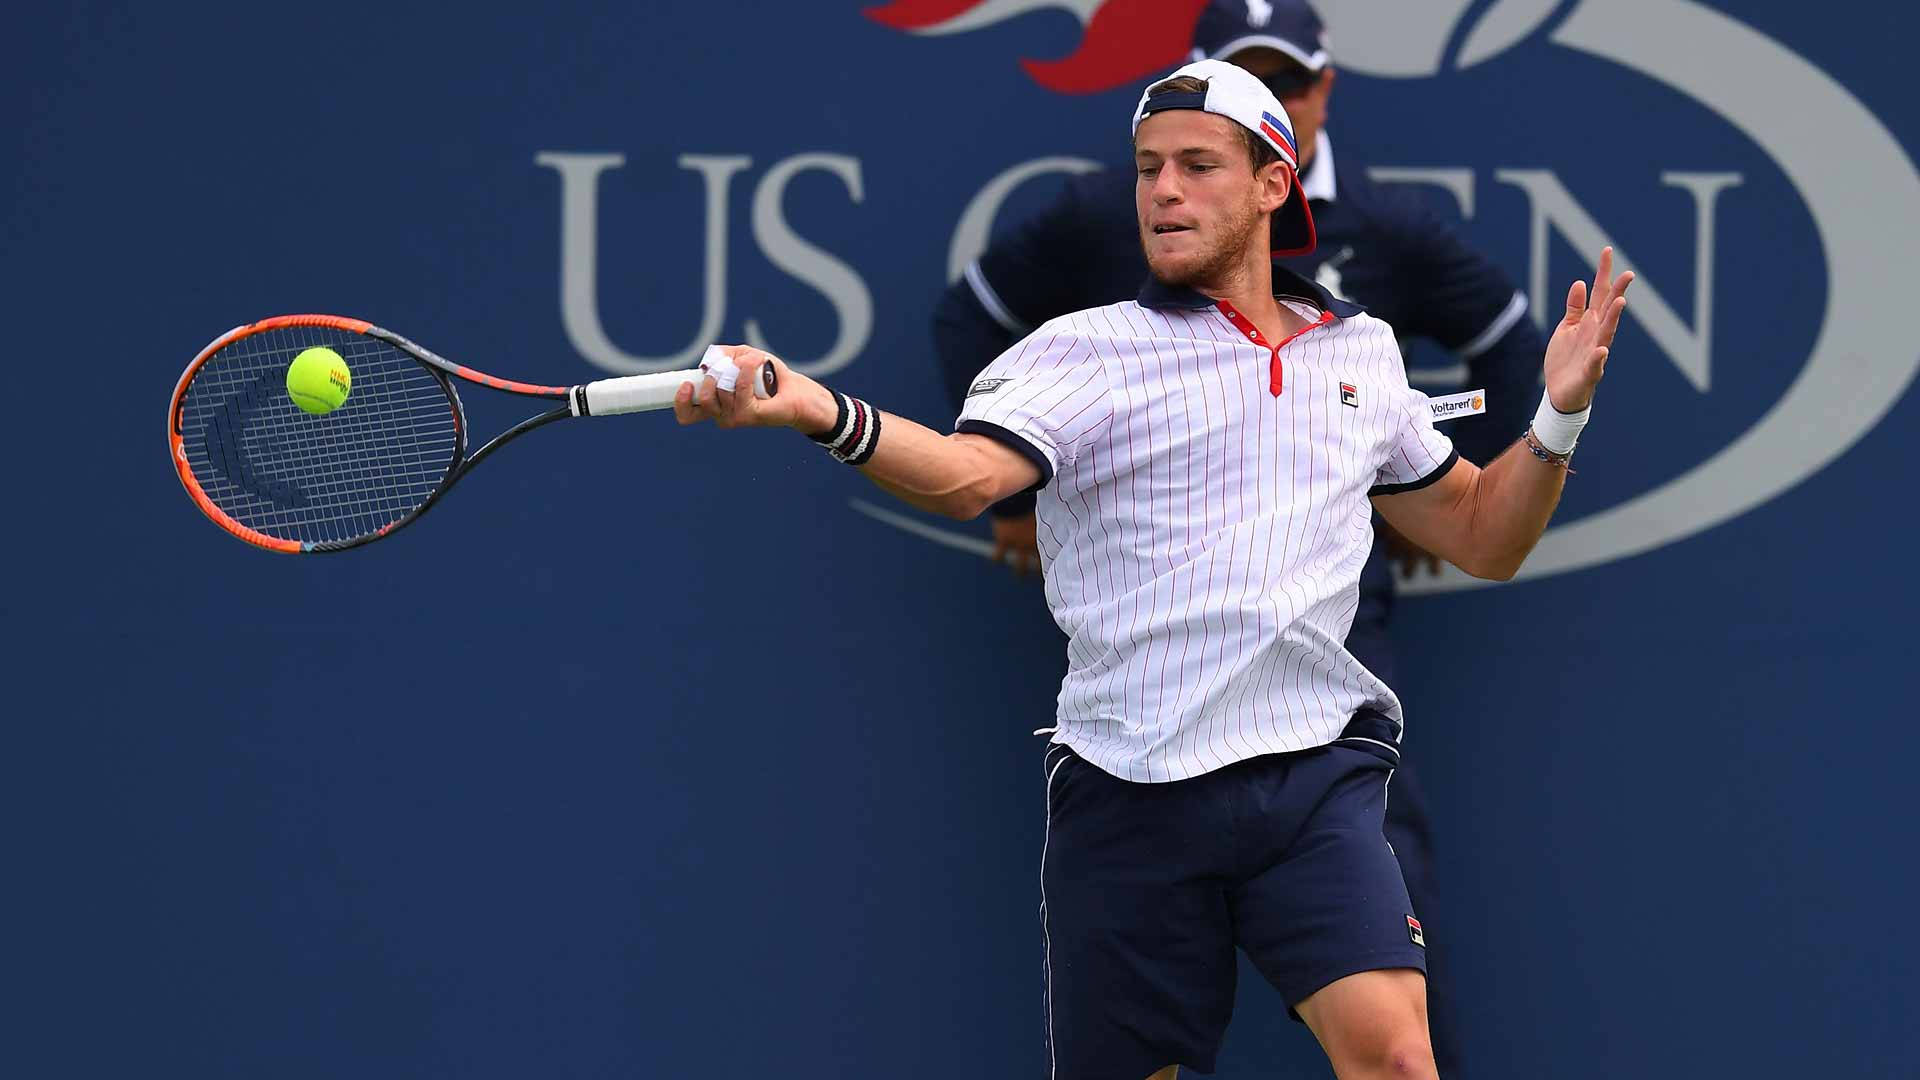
(1006, 469)
(1438, 516)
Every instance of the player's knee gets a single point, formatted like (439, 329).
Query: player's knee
(1410, 1057)
(1403, 1051)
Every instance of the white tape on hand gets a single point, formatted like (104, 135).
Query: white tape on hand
(718, 364)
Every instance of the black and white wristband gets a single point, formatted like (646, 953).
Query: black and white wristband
(855, 431)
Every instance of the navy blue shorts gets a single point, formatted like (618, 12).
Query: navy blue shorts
(1146, 890)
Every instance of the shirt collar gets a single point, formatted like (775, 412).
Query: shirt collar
(1317, 184)
(1286, 283)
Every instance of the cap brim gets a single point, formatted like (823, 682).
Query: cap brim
(1312, 61)
(1293, 225)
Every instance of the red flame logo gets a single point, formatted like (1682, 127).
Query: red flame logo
(1125, 39)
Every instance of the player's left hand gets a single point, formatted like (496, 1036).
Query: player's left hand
(1407, 555)
(1016, 543)
(1577, 353)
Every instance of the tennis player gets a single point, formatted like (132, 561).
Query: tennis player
(1205, 457)
(1381, 246)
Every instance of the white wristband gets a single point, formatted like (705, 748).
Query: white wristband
(1558, 431)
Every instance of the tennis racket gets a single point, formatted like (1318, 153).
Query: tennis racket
(286, 480)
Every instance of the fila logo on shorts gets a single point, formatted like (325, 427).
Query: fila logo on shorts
(1203, 518)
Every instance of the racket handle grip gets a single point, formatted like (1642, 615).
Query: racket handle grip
(643, 393)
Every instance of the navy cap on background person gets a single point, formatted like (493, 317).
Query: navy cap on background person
(1284, 44)
(1289, 27)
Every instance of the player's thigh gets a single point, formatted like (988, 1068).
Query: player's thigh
(1138, 940)
(1373, 1023)
(1331, 901)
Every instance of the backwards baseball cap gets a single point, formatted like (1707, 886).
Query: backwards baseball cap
(1289, 26)
(1234, 93)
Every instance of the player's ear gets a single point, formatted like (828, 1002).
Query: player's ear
(1276, 183)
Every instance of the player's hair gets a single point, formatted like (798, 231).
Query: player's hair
(1258, 152)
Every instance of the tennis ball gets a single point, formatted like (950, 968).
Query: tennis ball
(318, 380)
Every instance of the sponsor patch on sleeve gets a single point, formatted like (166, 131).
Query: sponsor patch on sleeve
(1455, 406)
(1414, 932)
(986, 386)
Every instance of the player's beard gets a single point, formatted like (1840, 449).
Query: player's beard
(1215, 264)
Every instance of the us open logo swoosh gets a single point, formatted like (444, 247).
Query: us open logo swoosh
(1862, 358)
(1124, 40)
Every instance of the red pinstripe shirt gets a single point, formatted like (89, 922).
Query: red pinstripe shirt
(1202, 534)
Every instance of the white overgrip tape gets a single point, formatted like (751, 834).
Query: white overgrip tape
(634, 393)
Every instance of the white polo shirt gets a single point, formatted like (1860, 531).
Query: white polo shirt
(1203, 516)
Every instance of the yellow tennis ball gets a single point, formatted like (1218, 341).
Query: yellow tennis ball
(318, 380)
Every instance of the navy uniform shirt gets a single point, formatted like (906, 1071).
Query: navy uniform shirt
(1381, 247)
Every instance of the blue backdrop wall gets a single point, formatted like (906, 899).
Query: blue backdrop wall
(649, 754)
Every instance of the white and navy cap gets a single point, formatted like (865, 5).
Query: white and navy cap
(1233, 92)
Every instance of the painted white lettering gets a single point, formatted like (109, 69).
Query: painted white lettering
(1554, 207)
(579, 257)
(834, 279)
(975, 226)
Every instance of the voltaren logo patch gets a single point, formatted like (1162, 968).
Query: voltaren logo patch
(987, 386)
(1453, 406)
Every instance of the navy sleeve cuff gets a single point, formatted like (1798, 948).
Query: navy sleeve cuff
(1017, 444)
(1014, 506)
(1444, 468)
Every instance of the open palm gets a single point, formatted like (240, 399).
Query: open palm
(1577, 352)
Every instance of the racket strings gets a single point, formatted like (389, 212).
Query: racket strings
(317, 479)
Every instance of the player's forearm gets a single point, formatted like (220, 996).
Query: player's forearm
(944, 474)
(1514, 498)
(1511, 501)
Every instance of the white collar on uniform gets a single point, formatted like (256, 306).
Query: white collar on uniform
(1317, 185)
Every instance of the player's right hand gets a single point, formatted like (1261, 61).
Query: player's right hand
(798, 402)
(1016, 543)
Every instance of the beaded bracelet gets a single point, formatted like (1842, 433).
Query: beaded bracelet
(1546, 455)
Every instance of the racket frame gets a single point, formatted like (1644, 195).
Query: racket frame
(443, 370)
(605, 397)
